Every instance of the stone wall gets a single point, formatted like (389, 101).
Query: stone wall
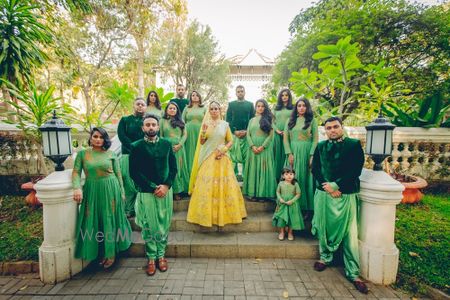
(417, 151)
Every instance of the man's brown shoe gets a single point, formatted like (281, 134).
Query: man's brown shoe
(151, 268)
(319, 266)
(162, 264)
(361, 286)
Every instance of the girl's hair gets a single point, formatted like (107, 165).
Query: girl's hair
(288, 170)
(176, 121)
(105, 136)
(157, 102)
(280, 104)
(266, 117)
(200, 104)
(309, 115)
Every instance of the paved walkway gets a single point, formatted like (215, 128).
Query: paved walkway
(199, 278)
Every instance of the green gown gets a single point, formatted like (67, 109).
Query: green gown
(129, 130)
(288, 215)
(181, 103)
(302, 143)
(192, 117)
(177, 136)
(153, 110)
(239, 113)
(259, 175)
(102, 228)
(281, 116)
(336, 219)
(153, 214)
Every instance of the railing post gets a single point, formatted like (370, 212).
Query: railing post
(56, 254)
(380, 194)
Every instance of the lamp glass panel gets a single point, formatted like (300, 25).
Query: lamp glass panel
(53, 143)
(45, 143)
(378, 142)
(368, 141)
(388, 146)
(64, 143)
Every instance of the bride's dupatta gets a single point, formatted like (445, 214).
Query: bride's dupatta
(215, 139)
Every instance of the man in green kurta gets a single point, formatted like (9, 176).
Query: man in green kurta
(129, 131)
(239, 113)
(180, 100)
(153, 168)
(337, 165)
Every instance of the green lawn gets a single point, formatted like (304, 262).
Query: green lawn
(423, 237)
(20, 229)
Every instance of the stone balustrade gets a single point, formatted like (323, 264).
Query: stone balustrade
(416, 151)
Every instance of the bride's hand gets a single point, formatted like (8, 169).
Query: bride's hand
(204, 127)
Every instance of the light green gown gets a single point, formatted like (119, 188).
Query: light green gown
(177, 136)
(281, 116)
(302, 143)
(259, 174)
(155, 111)
(102, 228)
(288, 215)
(193, 117)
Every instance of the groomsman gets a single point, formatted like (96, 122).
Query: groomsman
(153, 168)
(239, 114)
(337, 165)
(181, 101)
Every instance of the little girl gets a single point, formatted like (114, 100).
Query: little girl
(287, 213)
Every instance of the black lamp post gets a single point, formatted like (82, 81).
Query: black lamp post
(56, 141)
(379, 140)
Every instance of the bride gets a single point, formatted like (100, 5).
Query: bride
(216, 197)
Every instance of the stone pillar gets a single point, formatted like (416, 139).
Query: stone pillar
(380, 194)
(56, 254)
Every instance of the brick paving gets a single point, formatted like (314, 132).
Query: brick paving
(199, 278)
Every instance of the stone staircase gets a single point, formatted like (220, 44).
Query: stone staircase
(255, 237)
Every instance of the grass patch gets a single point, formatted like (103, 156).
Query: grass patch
(21, 232)
(422, 235)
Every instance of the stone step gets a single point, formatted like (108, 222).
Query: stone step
(255, 222)
(268, 206)
(231, 245)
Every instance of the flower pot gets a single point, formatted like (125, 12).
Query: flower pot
(412, 184)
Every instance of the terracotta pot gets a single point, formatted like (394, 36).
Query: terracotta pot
(412, 185)
(31, 198)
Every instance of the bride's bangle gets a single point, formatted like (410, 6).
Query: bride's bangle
(203, 135)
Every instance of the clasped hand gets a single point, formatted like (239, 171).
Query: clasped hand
(257, 150)
(161, 190)
(329, 189)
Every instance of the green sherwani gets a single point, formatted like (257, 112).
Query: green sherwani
(288, 215)
(259, 174)
(335, 219)
(177, 136)
(239, 114)
(153, 214)
(281, 116)
(128, 131)
(182, 103)
(192, 117)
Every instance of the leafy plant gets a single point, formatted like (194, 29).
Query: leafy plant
(429, 112)
(118, 96)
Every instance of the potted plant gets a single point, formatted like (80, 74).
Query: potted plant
(412, 184)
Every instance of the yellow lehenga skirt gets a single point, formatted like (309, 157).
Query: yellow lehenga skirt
(216, 197)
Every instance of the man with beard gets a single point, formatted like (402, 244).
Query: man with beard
(129, 131)
(337, 165)
(153, 168)
(181, 101)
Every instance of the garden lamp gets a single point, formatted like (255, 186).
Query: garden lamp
(56, 141)
(379, 140)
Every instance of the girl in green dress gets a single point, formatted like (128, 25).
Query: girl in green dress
(287, 213)
(283, 111)
(102, 228)
(259, 174)
(173, 128)
(300, 140)
(153, 104)
(193, 116)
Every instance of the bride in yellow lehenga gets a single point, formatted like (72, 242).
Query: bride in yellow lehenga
(216, 197)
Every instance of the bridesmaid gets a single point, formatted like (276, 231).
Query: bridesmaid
(173, 128)
(101, 200)
(193, 116)
(259, 174)
(283, 111)
(153, 104)
(300, 140)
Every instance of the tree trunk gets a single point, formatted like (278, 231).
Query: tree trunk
(7, 107)
(87, 100)
(140, 64)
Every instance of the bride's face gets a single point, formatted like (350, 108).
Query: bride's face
(214, 110)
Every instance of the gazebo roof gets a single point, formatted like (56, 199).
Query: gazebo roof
(251, 58)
